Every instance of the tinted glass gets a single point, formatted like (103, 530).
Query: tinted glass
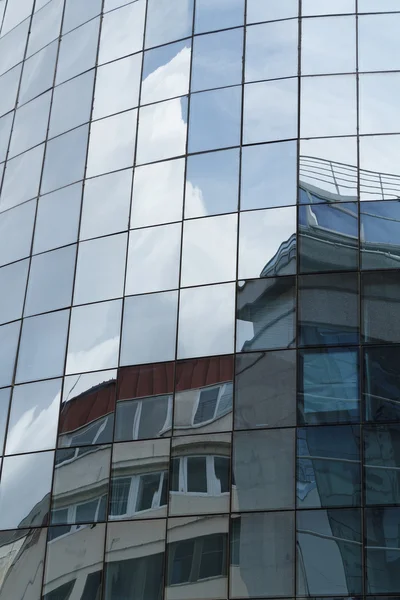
(382, 542)
(381, 383)
(381, 454)
(381, 293)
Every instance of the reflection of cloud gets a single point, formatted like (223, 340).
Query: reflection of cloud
(168, 80)
(99, 356)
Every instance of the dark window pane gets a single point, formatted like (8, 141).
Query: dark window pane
(381, 307)
(212, 563)
(175, 462)
(206, 407)
(182, 561)
(328, 309)
(120, 487)
(61, 593)
(328, 386)
(92, 589)
(148, 487)
(382, 464)
(382, 383)
(328, 466)
(153, 416)
(221, 468)
(196, 474)
(329, 552)
(265, 389)
(124, 420)
(383, 550)
(380, 222)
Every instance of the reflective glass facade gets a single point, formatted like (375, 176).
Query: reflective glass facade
(199, 299)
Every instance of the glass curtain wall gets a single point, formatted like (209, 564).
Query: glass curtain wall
(199, 299)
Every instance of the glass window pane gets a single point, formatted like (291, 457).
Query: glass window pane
(12, 46)
(263, 467)
(9, 84)
(382, 549)
(21, 178)
(328, 7)
(206, 321)
(13, 282)
(100, 269)
(377, 5)
(328, 309)
(265, 393)
(209, 250)
(328, 466)
(77, 12)
(106, 201)
(94, 337)
(265, 314)
(112, 143)
(45, 25)
(117, 86)
(381, 383)
(380, 313)
(218, 14)
(378, 112)
(25, 490)
(122, 32)
(78, 51)
(16, 229)
(34, 417)
(50, 281)
(42, 347)
(320, 51)
(167, 21)
(153, 259)
(379, 169)
(57, 219)
(65, 159)
(335, 533)
(72, 103)
(378, 42)
(212, 183)
(80, 485)
(381, 454)
(269, 175)
(271, 50)
(166, 72)
(267, 243)
(269, 11)
(329, 389)
(15, 13)
(9, 336)
(328, 106)
(30, 124)
(38, 73)
(262, 555)
(158, 193)
(215, 119)
(149, 328)
(380, 224)
(322, 226)
(217, 60)
(270, 111)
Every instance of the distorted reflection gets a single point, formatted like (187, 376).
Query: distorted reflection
(270, 111)
(265, 314)
(158, 193)
(87, 409)
(167, 21)
(25, 490)
(267, 243)
(74, 562)
(209, 250)
(22, 552)
(139, 480)
(329, 389)
(200, 474)
(9, 335)
(379, 167)
(122, 31)
(262, 555)
(197, 558)
(94, 337)
(217, 60)
(328, 466)
(332, 533)
(381, 454)
(33, 417)
(382, 550)
(263, 470)
(162, 130)
(271, 50)
(144, 406)
(149, 328)
(153, 259)
(135, 560)
(206, 320)
(212, 181)
(380, 226)
(166, 72)
(382, 383)
(117, 86)
(80, 487)
(269, 175)
(203, 395)
(218, 14)
(265, 389)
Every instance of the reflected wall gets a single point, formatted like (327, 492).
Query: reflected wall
(200, 299)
